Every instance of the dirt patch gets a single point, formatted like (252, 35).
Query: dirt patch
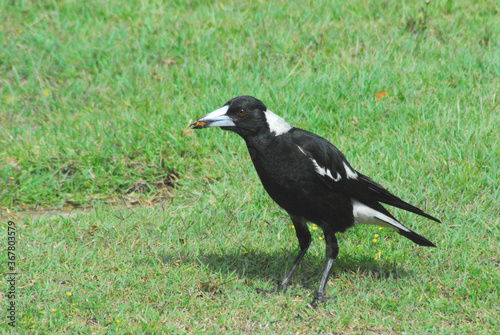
(133, 199)
(143, 193)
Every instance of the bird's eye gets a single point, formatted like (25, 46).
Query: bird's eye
(242, 112)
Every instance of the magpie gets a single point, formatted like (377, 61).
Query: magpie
(310, 179)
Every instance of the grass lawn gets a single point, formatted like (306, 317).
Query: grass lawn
(127, 221)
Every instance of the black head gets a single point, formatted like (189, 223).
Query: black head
(244, 115)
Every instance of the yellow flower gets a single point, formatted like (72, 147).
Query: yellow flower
(245, 252)
(69, 294)
(320, 238)
(376, 235)
(53, 309)
(314, 227)
(374, 240)
(379, 228)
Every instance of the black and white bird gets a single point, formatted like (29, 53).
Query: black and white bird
(310, 179)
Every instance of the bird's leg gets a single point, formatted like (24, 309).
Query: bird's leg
(304, 237)
(320, 295)
(332, 250)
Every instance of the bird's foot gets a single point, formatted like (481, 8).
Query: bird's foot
(319, 299)
(280, 288)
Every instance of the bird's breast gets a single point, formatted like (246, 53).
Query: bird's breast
(287, 179)
(290, 179)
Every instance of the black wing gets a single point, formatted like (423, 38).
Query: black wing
(338, 174)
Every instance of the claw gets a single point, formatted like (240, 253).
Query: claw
(320, 299)
(279, 289)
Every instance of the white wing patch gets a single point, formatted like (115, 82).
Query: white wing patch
(351, 174)
(322, 171)
(364, 214)
(301, 150)
(277, 124)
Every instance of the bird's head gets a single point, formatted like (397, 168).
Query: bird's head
(244, 115)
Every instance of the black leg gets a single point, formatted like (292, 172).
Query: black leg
(332, 250)
(304, 237)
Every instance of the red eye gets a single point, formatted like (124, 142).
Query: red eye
(242, 112)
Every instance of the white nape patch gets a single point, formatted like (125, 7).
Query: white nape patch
(351, 174)
(277, 124)
(364, 214)
(321, 170)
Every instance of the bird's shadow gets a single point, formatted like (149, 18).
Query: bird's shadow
(265, 266)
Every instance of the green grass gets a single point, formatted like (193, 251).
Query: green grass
(95, 102)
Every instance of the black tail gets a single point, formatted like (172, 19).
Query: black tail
(420, 240)
(386, 197)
